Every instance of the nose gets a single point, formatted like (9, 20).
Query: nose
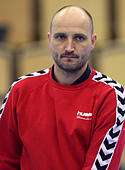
(69, 46)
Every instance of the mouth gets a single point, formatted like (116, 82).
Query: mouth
(69, 56)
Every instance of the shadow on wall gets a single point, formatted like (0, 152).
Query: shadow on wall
(4, 30)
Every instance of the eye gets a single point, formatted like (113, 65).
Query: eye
(60, 36)
(79, 37)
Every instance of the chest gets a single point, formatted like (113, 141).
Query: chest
(71, 114)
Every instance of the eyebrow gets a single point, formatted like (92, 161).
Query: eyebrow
(59, 33)
(80, 34)
(74, 35)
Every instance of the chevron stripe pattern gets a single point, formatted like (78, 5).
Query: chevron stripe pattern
(108, 145)
(19, 79)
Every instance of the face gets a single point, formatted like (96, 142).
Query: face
(71, 40)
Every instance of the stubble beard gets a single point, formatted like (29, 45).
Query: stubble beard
(69, 67)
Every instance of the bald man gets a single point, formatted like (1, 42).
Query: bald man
(68, 117)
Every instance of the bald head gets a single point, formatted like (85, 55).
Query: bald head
(72, 11)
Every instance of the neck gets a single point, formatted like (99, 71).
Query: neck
(67, 78)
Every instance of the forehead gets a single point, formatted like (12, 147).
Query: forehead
(73, 19)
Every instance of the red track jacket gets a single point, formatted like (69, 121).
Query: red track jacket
(48, 126)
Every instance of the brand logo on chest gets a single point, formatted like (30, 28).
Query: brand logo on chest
(85, 116)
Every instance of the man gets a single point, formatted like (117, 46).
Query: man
(69, 117)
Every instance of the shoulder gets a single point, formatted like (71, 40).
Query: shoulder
(27, 83)
(105, 82)
(24, 85)
(111, 91)
(31, 81)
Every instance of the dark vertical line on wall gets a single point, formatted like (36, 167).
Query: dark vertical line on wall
(36, 20)
(112, 19)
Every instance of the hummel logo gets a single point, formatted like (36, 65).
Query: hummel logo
(85, 116)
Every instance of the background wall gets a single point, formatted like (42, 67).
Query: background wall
(24, 46)
(16, 16)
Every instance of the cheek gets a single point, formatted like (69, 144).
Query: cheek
(57, 48)
(55, 51)
(86, 48)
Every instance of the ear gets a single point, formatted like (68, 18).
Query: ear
(49, 36)
(94, 38)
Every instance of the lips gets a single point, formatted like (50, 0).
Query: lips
(69, 56)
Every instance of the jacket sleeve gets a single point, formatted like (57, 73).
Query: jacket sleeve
(10, 144)
(108, 139)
